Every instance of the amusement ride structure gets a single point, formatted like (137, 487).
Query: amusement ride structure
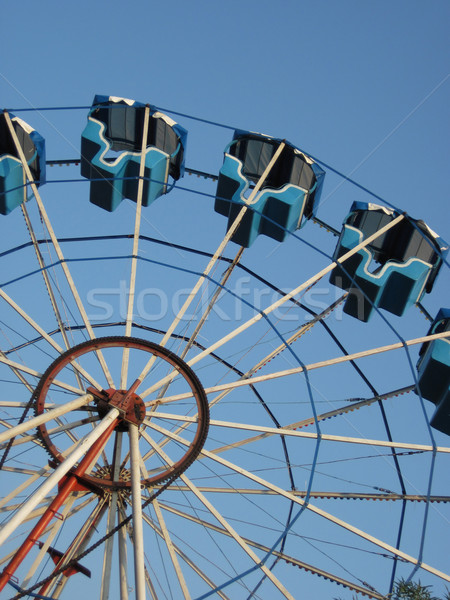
(283, 425)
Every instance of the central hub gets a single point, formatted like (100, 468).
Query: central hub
(130, 405)
(131, 410)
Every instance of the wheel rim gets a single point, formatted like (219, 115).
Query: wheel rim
(104, 478)
(272, 486)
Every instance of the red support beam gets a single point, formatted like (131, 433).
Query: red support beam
(45, 588)
(66, 489)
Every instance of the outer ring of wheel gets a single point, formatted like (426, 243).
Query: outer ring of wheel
(188, 374)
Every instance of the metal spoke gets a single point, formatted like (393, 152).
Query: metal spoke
(313, 508)
(35, 476)
(129, 319)
(214, 258)
(56, 244)
(171, 548)
(300, 434)
(73, 512)
(124, 532)
(272, 307)
(287, 558)
(288, 342)
(321, 417)
(54, 529)
(138, 534)
(47, 282)
(58, 474)
(113, 515)
(49, 339)
(317, 365)
(79, 543)
(328, 495)
(123, 558)
(182, 555)
(18, 367)
(245, 547)
(205, 315)
(47, 416)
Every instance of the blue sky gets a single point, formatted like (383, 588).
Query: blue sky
(362, 86)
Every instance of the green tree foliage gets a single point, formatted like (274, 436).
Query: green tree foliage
(411, 590)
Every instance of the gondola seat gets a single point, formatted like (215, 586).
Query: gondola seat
(433, 369)
(115, 125)
(286, 199)
(408, 258)
(12, 173)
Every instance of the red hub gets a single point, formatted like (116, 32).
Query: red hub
(130, 405)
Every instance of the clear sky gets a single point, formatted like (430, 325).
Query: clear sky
(362, 86)
(351, 82)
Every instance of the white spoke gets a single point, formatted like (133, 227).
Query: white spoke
(171, 549)
(129, 319)
(54, 529)
(18, 374)
(57, 475)
(81, 540)
(148, 581)
(273, 306)
(44, 472)
(300, 434)
(47, 337)
(56, 245)
(214, 259)
(46, 417)
(388, 496)
(285, 557)
(107, 557)
(23, 486)
(210, 306)
(180, 553)
(19, 367)
(11, 404)
(294, 337)
(66, 428)
(112, 515)
(245, 547)
(37, 512)
(297, 370)
(8, 427)
(311, 507)
(138, 534)
(74, 511)
(123, 558)
(47, 282)
(205, 315)
(310, 421)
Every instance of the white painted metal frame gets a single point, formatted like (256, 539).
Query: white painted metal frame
(297, 500)
(271, 308)
(37, 502)
(137, 227)
(56, 244)
(213, 260)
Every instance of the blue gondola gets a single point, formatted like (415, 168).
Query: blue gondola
(409, 257)
(433, 370)
(116, 124)
(12, 176)
(287, 198)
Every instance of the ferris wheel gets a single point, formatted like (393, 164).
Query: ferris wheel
(194, 406)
